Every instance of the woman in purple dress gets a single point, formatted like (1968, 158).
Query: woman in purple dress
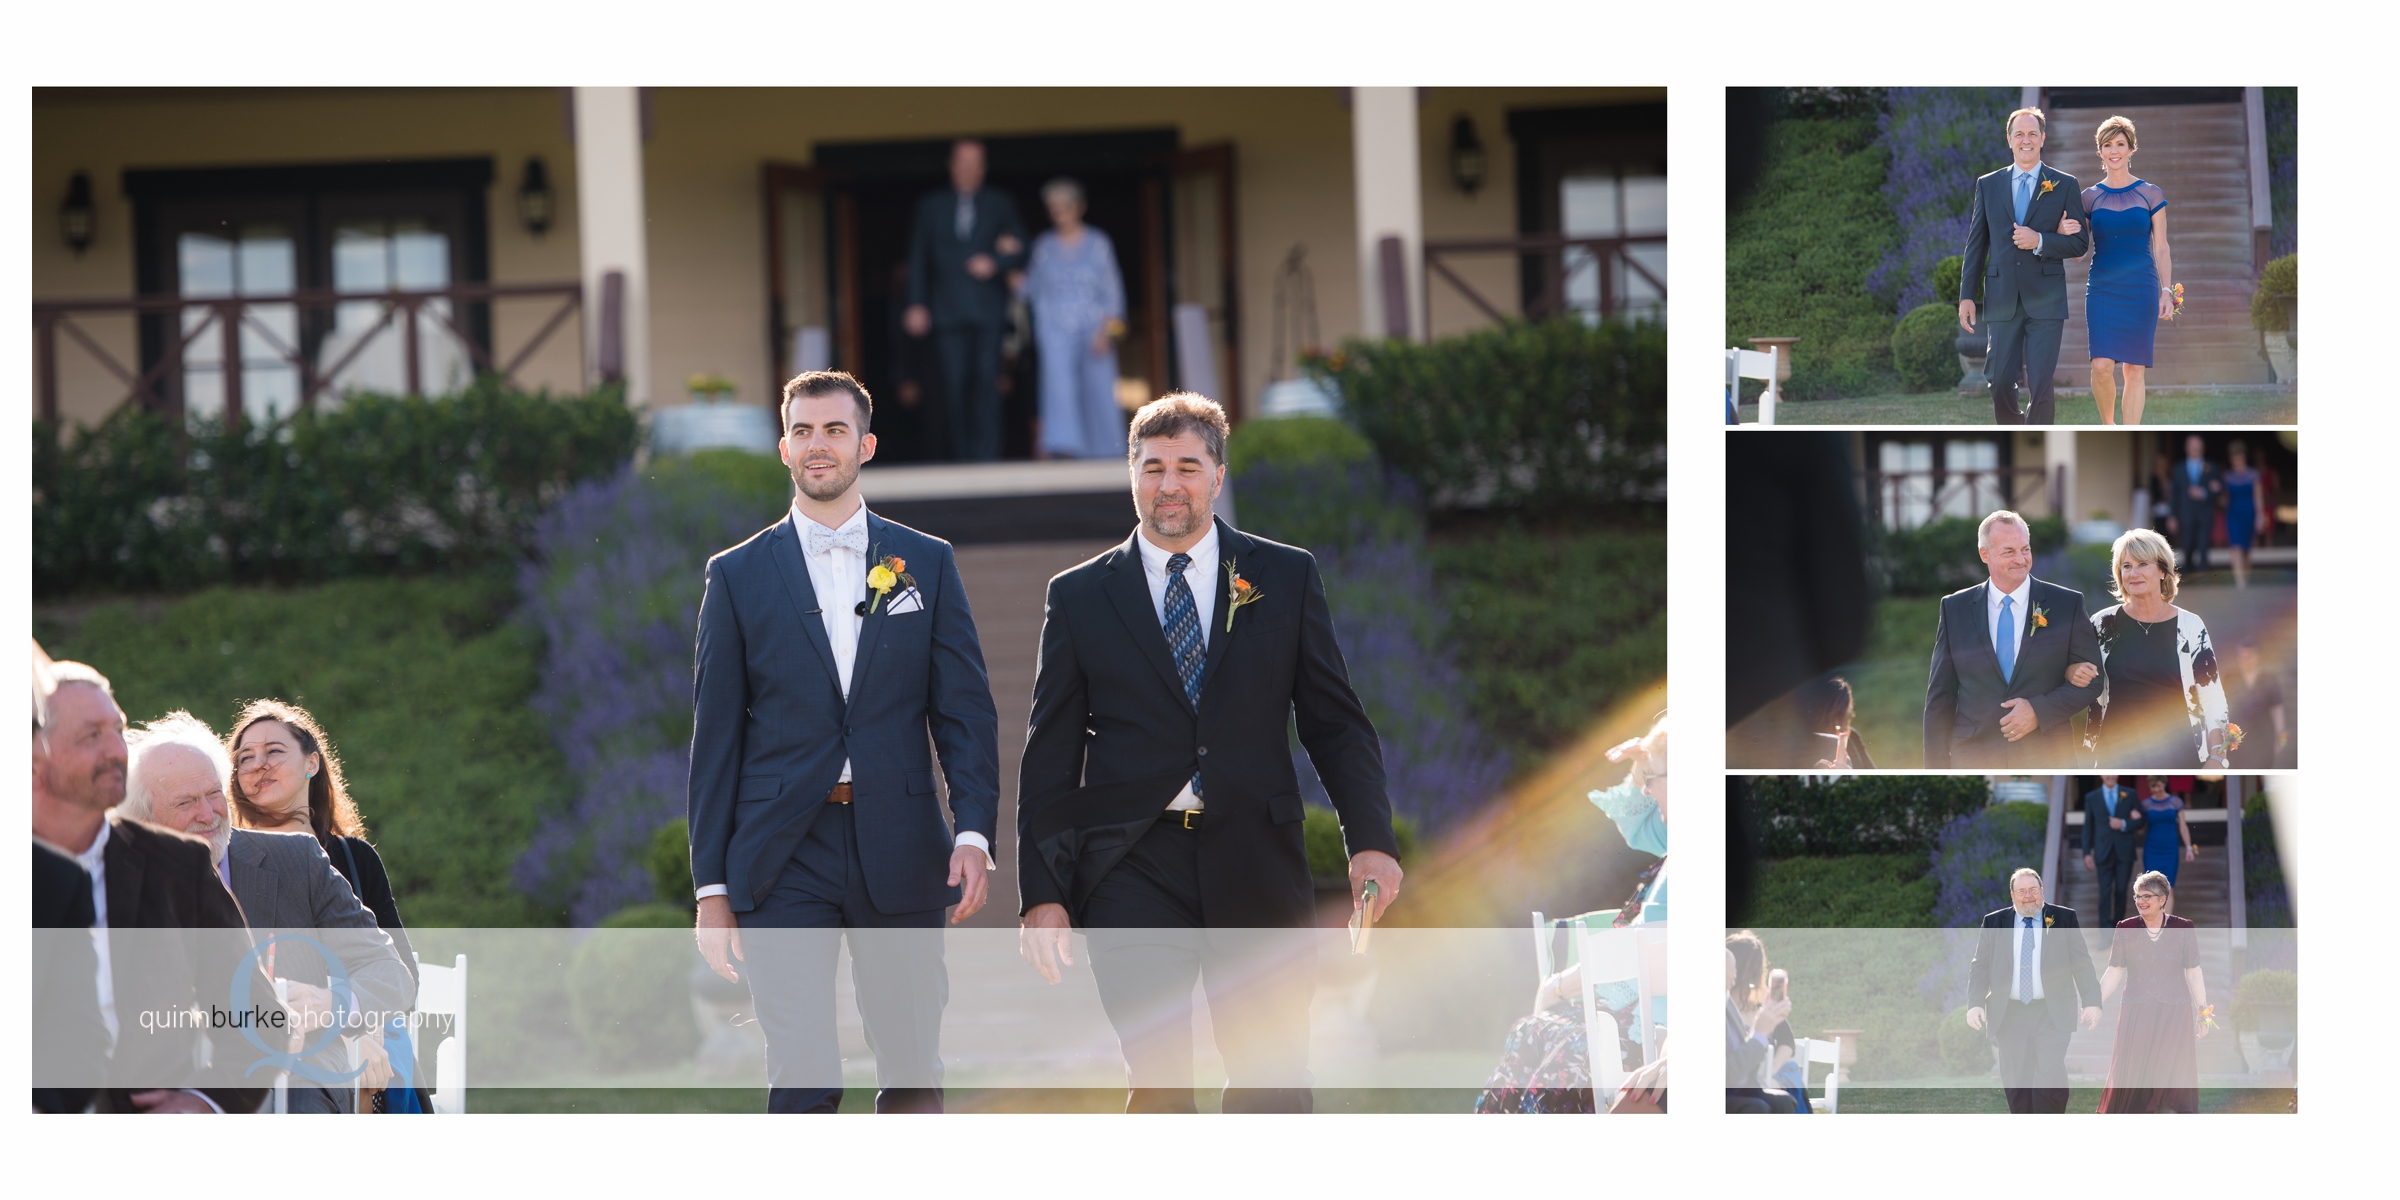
(2155, 957)
(2131, 287)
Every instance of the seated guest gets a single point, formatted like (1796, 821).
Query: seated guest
(145, 878)
(176, 775)
(72, 1053)
(1835, 744)
(287, 779)
(1750, 1020)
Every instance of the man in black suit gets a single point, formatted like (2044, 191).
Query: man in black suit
(965, 242)
(70, 1046)
(2016, 260)
(2031, 968)
(1158, 806)
(145, 881)
(2113, 826)
(2014, 659)
(2199, 489)
(836, 655)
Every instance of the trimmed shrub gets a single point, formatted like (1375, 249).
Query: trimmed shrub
(2258, 988)
(1798, 253)
(1925, 348)
(380, 485)
(1966, 1050)
(1945, 280)
(670, 862)
(627, 990)
(1328, 856)
(1536, 415)
(1862, 814)
(1295, 441)
(1854, 891)
(2278, 291)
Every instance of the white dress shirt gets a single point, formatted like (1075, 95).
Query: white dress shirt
(94, 862)
(1201, 577)
(839, 577)
(2020, 613)
(2016, 954)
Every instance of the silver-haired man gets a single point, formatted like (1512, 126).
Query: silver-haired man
(176, 775)
(2014, 659)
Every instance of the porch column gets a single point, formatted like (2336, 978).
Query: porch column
(2058, 450)
(1386, 180)
(611, 221)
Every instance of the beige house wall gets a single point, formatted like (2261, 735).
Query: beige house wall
(707, 233)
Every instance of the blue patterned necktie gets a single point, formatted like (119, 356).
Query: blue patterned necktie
(2025, 963)
(2024, 196)
(2005, 641)
(1183, 635)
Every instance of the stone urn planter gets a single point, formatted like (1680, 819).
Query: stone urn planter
(1781, 347)
(2277, 1036)
(2283, 357)
(1973, 349)
(1849, 1056)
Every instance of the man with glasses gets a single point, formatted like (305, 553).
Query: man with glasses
(2031, 968)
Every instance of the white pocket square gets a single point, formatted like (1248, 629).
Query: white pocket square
(908, 602)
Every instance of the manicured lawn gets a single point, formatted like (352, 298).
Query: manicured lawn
(2079, 1100)
(2168, 408)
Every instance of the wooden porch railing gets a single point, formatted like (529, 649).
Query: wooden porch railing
(1882, 491)
(1608, 254)
(229, 316)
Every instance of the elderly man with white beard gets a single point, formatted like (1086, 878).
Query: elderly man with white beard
(176, 775)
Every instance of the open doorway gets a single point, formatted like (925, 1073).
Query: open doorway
(839, 233)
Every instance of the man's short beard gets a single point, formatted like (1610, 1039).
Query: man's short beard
(845, 474)
(1195, 514)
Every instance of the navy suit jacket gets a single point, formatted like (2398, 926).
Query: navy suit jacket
(2105, 844)
(1112, 740)
(770, 726)
(937, 258)
(2065, 966)
(1965, 692)
(2017, 283)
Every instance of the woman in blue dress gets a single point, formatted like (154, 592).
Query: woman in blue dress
(2168, 845)
(2131, 287)
(1078, 300)
(2245, 518)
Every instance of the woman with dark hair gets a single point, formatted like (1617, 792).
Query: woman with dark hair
(2153, 1065)
(287, 779)
(2245, 516)
(1828, 707)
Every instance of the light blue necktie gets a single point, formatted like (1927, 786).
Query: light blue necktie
(1183, 636)
(2005, 641)
(2024, 196)
(2025, 963)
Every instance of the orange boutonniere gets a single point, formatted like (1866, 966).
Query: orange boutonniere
(1244, 592)
(2047, 922)
(2041, 617)
(2208, 1016)
(2047, 184)
(890, 570)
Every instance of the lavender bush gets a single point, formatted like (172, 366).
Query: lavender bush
(1972, 860)
(615, 590)
(1940, 139)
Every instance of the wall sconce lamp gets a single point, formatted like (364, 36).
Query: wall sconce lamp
(1466, 155)
(76, 220)
(537, 205)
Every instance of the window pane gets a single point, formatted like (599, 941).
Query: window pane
(204, 265)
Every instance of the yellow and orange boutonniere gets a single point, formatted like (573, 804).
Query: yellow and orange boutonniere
(887, 571)
(1244, 592)
(2176, 294)
(2047, 922)
(2041, 617)
(2047, 184)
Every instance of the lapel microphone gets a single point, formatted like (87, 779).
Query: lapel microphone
(860, 609)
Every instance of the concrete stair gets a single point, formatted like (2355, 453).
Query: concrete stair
(2202, 897)
(2199, 155)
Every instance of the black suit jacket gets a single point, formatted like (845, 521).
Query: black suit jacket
(2018, 283)
(2105, 844)
(1964, 690)
(70, 1045)
(160, 880)
(2068, 981)
(2212, 482)
(937, 258)
(770, 726)
(1112, 740)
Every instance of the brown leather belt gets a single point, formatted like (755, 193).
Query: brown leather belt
(839, 795)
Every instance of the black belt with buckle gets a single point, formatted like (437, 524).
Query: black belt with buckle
(1189, 818)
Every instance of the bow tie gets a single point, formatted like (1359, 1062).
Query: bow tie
(821, 539)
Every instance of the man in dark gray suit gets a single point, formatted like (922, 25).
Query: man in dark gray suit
(2031, 984)
(2199, 488)
(965, 242)
(2016, 259)
(2113, 826)
(836, 654)
(176, 774)
(2014, 659)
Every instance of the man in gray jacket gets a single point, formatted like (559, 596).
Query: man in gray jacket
(176, 773)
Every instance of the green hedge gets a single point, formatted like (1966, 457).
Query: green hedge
(421, 684)
(2278, 294)
(376, 486)
(1797, 256)
(1539, 415)
(1925, 348)
(1939, 557)
(1852, 891)
(1866, 814)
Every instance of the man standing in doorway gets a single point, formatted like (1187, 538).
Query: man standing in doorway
(2198, 488)
(964, 243)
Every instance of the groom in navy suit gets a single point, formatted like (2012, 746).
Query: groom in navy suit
(835, 647)
(2016, 259)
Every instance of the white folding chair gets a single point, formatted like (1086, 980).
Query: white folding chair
(1606, 955)
(1810, 1051)
(1753, 364)
(442, 991)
